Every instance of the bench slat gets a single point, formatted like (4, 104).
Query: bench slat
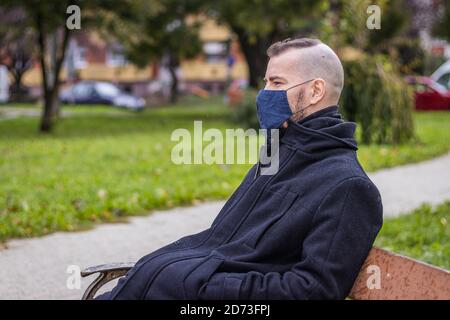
(402, 278)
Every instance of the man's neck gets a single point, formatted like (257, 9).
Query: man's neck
(310, 112)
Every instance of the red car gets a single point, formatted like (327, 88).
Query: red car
(428, 94)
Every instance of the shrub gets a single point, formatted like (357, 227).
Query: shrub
(244, 112)
(378, 98)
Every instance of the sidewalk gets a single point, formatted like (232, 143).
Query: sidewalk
(36, 268)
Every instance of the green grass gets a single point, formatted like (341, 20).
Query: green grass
(432, 139)
(102, 164)
(423, 234)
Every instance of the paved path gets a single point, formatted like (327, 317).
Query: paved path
(37, 268)
(406, 187)
(7, 113)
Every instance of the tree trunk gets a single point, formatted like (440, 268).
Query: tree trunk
(174, 86)
(19, 63)
(18, 82)
(172, 66)
(50, 87)
(17, 90)
(47, 117)
(51, 109)
(255, 53)
(256, 61)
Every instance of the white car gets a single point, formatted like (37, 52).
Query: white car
(4, 85)
(442, 75)
(100, 92)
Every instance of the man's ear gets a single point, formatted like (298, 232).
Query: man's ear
(317, 90)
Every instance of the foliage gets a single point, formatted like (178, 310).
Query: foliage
(349, 17)
(166, 30)
(442, 29)
(396, 38)
(394, 19)
(257, 24)
(244, 112)
(422, 234)
(166, 36)
(408, 54)
(379, 99)
(262, 18)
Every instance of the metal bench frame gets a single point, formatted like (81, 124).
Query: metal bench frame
(402, 278)
(107, 273)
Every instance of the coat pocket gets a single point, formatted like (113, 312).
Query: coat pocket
(261, 229)
(200, 275)
(222, 286)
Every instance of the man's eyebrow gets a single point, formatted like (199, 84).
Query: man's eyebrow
(272, 78)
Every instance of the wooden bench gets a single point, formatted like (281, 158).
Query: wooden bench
(384, 276)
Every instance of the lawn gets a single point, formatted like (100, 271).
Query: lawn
(102, 164)
(423, 234)
(432, 139)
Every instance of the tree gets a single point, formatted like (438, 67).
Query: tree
(346, 23)
(375, 94)
(258, 23)
(442, 27)
(16, 48)
(47, 18)
(167, 36)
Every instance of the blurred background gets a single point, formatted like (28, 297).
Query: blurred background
(91, 94)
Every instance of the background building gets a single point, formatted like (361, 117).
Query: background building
(90, 57)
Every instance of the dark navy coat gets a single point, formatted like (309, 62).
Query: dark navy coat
(302, 233)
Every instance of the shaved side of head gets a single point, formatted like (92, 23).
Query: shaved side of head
(320, 61)
(315, 60)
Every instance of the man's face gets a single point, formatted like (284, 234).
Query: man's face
(283, 72)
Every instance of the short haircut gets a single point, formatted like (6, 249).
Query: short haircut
(281, 46)
(316, 60)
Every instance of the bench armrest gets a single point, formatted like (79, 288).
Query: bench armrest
(107, 272)
(400, 278)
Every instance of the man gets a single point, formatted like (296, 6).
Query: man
(301, 233)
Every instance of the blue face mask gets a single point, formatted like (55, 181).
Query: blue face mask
(273, 107)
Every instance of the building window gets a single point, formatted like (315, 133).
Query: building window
(115, 57)
(75, 56)
(215, 51)
(80, 60)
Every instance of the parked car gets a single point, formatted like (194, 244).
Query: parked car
(99, 92)
(428, 94)
(4, 85)
(442, 75)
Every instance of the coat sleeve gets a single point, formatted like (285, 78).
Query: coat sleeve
(343, 230)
